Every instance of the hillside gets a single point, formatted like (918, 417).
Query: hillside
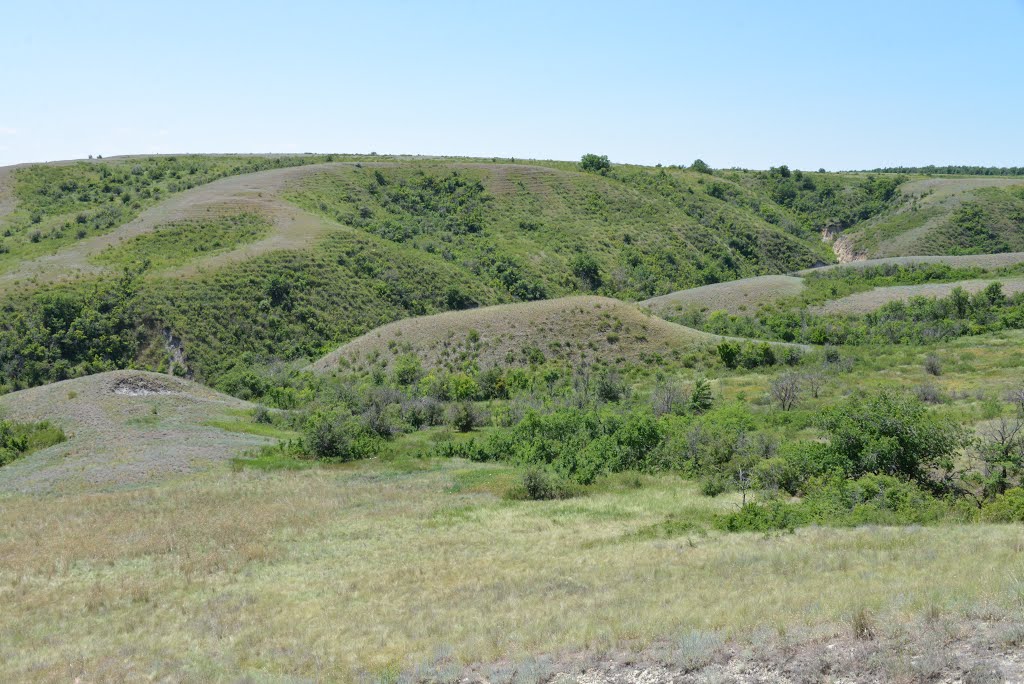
(126, 428)
(235, 262)
(241, 261)
(737, 296)
(577, 330)
(944, 216)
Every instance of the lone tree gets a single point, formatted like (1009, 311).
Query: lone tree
(595, 163)
(700, 166)
(786, 391)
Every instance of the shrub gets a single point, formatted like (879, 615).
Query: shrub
(928, 393)
(932, 365)
(261, 415)
(492, 384)
(609, 386)
(893, 434)
(538, 484)
(586, 268)
(1006, 507)
(331, 435)
(461, 387)
(463, 416)
(729, 352)
(407, 369)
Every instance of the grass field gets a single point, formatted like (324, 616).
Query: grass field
(409, 566)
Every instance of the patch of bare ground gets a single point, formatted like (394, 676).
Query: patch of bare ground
(864, 302)
(124, 428)
(944, 650)
(257, 193)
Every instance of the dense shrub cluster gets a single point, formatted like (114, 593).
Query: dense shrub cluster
(19, 439)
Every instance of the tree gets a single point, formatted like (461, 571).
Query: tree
(814, 382)
(700, 166)
(595, 163)
(785, 390)
(892, 434)
(586, 268)
(701, 398)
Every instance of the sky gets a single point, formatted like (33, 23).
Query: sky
(752, 84)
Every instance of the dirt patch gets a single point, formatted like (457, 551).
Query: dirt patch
(737, 296)
(139, 386)
(942, 651)
(964, 261)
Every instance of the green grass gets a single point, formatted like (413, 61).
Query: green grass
(250, 428)
(331, 572)
(60, 204)
(183, 241)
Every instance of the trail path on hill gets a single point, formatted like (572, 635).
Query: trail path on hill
(255, 192)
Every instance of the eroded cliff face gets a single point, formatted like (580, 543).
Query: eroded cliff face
(842, 245)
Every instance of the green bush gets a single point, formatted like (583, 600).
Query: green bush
(333, 435)
(538, 484)
(1006, 507)
(892, 434)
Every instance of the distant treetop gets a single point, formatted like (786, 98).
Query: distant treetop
(595, 163)
(700, 166)
(956, 170)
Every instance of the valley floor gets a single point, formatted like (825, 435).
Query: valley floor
(402, 568)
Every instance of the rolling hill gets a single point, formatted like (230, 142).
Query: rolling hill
(125, 429)
(943, 216)
(240, 261)
(578, 330)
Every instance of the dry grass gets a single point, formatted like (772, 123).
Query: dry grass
(124, 428)
(736, 297)
(864, 302)
(987, 261)
(323, 574)
(583, 328)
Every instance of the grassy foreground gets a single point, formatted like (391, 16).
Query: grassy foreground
(380, 568)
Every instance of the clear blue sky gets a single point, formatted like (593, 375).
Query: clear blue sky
(842, 85)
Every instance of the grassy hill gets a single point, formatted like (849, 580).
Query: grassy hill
(307, 252)
(125, 429)
(575, 330)
(947, 215)
(501, 464)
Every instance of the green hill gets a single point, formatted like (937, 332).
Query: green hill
(577, 330)
(239, 261)
(951, 215)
